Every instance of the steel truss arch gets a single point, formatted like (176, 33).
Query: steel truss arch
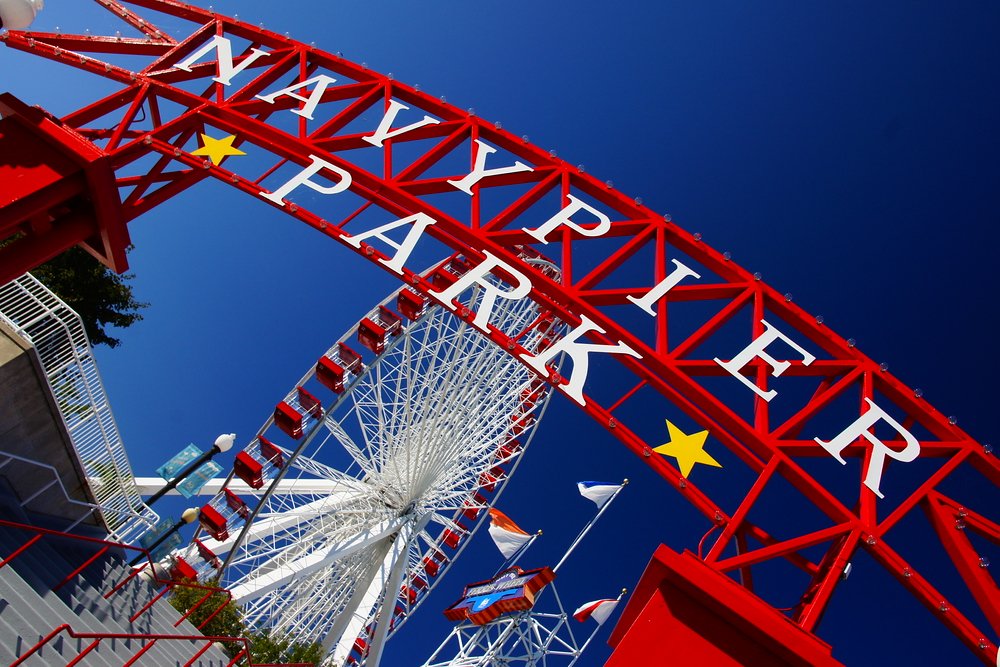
(148, 130)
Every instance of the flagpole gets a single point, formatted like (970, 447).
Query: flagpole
(595, 631)
(590, 524)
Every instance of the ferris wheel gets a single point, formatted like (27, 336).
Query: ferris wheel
(341, 515)
(801, 417)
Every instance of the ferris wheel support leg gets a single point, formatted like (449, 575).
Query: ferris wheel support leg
(380, 587)
(387, 606)
(346, 619)
(57, 190)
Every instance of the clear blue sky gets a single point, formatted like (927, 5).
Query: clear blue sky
(848, 151)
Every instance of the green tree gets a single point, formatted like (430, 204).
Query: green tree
(265, 646)
(228, 622)
(99, 296)
(269, 648)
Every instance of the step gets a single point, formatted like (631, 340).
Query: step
(30, 617)
(84, 608)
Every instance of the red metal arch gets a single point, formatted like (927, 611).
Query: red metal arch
(147, 134)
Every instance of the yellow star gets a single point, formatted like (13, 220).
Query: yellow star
(687, 449)
(217, 150)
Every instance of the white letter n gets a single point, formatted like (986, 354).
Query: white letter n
(224, 53)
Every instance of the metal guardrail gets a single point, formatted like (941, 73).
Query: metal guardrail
(241, 657)
(57, 335)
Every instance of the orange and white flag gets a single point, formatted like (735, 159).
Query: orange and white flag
(599, 610)
(507, 535)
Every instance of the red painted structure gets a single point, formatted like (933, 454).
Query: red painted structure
(683, 612)
(91, 641)
(58, 191)
(148, 131)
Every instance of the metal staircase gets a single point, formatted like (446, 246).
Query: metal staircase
(54, 585)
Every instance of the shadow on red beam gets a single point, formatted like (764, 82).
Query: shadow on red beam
(682, 612)
(57, 190)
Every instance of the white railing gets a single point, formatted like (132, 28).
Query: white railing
(56, 332)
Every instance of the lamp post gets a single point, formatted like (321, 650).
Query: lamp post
(190, 515)
(222, 444)
(18, 14)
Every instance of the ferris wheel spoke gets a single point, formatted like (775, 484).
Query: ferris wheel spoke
(283, 574)
(269, 525)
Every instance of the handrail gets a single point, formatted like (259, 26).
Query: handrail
(62, 348)
(91, 507)
(101, 636)
(168, 584)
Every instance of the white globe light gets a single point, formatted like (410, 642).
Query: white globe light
(18, 14)
(225, 441)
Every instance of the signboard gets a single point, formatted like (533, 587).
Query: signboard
(510, 591)
(178, 462)
(168, 545)
(192, 483)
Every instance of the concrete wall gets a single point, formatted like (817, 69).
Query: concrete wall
(30, 426)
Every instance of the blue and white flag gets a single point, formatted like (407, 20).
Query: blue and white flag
(599, 492)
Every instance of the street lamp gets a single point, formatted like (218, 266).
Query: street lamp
(222, 444)
(18, 14)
